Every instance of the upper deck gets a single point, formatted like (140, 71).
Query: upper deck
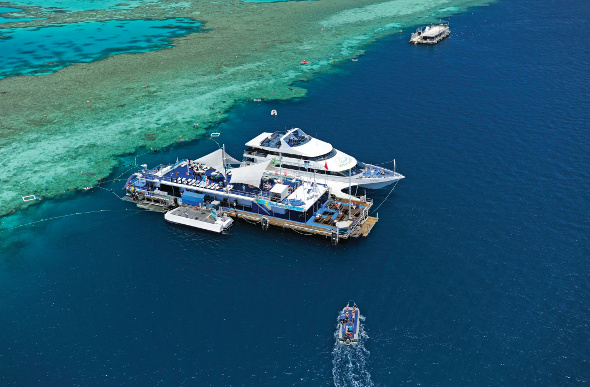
(433, 31)
(294, 142)
(296, 195)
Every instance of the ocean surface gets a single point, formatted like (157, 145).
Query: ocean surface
(477, 272)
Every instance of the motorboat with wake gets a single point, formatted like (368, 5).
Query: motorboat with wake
(348, 326)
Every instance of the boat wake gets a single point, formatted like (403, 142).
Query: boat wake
(349, 362)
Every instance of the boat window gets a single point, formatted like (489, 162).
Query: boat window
(327, 156)
(256, 152)
(264, 153)
(296, 138)
(354, 170)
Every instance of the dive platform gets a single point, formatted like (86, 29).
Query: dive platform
(256, 193)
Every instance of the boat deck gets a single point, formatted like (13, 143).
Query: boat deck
(294, 203)
(203, 178)
(278, 222)
(368, 225)
(190, 213)
(355, 326)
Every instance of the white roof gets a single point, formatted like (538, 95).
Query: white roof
(432, 31)
(279, 188)
(308, 193)
(255, 142)
(340, 162)
(312, 148)
(216, 159)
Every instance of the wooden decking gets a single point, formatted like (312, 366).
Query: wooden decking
(355, 201)
(283, 223)
(368, 225)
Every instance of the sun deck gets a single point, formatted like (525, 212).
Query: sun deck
(301, 194)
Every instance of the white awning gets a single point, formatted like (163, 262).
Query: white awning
(216, 159)
(251, 175)
(279, 189)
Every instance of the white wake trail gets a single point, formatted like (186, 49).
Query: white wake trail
(349, 362)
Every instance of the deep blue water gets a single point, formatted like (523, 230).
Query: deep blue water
(44, 50)
(476, 274)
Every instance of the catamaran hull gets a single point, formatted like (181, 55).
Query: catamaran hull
(379, 183)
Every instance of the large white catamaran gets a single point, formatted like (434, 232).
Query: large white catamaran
(297, 153)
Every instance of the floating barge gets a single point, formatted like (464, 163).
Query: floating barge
(431, 34)
(253, 193)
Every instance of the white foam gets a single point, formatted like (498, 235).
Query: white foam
(349, 362)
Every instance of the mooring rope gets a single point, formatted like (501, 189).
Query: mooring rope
(111, 191)
(375, 210)
(65, 216)
(387, 162)
(6, 217)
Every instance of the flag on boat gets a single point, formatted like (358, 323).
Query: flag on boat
(326, 165)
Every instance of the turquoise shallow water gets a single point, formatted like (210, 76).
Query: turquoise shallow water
(269, 1)
(44, 50)
(11, 20)
(85, 5)
(476, 274)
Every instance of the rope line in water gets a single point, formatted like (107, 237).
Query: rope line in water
(6, 217)
(68, 215)
(387, 162)
(111, 191)
(375, 210)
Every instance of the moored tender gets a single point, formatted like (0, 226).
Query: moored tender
(210, 219)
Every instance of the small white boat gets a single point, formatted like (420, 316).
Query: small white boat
(348, 328)
(199, 217)
(431, 34)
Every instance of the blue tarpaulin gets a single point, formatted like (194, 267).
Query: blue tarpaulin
(192, 198)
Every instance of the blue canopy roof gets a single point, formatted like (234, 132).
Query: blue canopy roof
(192, 198)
